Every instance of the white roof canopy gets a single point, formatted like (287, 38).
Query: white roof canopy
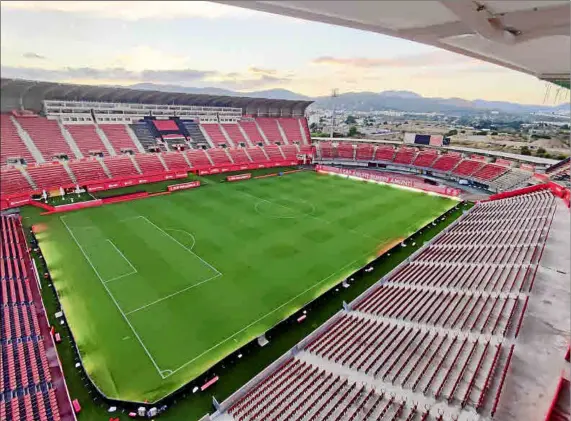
(529, 36)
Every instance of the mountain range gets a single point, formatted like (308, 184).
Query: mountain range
(373, 101)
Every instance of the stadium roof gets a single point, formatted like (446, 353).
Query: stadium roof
(29, 94)
(529, 36)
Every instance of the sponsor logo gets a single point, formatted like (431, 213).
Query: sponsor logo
(239, 177)
(184, 186)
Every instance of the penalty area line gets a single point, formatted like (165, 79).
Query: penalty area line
(113, 298)
(263, 317)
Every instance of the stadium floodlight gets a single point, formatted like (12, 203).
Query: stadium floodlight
(334, 94)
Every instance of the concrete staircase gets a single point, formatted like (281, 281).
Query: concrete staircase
(248, 155)
(70, 140)
(266, 141)
(282, 152)
(227, 136)
(248, 140)
(69, 171)
(163, 162)
(282, 133)
(303, 133)
(105, 141)
(27, 177)
(102, 162)
(229, 156)
(25, 137)
(206, 136)
(135, 163)
(209, 158)
(135, 139)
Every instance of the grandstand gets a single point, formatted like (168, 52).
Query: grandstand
(395, 353)
(397, 336)
(498, 176)
(32, 385)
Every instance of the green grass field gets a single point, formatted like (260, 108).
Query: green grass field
(156, 291)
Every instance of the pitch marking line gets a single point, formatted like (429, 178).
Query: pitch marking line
(261, 318)
(134, 271)
(183, 246)
(113, 298)
(185, 232)
(174, 293)
(302, 214)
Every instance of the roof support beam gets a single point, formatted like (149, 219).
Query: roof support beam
(480, 20)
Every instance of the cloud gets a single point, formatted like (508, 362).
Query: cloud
(436, 58)
(120, 75)
(33, 56)
(134, 10)
(261, 71)
(254, 83)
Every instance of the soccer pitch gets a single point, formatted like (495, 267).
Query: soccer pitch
(157, 291)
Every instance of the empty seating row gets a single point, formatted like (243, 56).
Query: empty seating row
(214, 131)
(27, 392)
(434, 326)
(12, 146)
(47, 136)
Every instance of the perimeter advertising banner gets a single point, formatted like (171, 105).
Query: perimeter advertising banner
(183, 186)
(410, 182)
(239, 177)
(131, 181)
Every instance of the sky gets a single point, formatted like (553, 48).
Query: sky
(203, 44)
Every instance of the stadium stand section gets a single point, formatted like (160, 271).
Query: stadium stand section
(87, 139)
(239, 156)
(214, 131)
(274, 152)
(395, 345)
(150, 163)
(145, 137)
(28, 377)
(490, 172)
(86, 170)
(467, 167)
(198, 158)
(425, 158)
(46, 135)
(120, 166)
(50, 175)
(234, 132)
(219, 156)
(447, 162)
(175, 161)
(345, 151)
(271, 129)
(12, 181)
(364, 152)
(290, 151)
(197, 139)
(251, 130)
(12, 144)
(291, 129)
(384, 153)
(118, 137)
(404, 155)
(257, 154)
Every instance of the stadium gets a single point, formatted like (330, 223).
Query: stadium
(187, 256)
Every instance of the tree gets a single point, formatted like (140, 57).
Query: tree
(350, 120)
(313, 127)
(524, 150)
(541, 151)
(452, 132)
(353, 131)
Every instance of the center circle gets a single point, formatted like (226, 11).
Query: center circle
(284, 208)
